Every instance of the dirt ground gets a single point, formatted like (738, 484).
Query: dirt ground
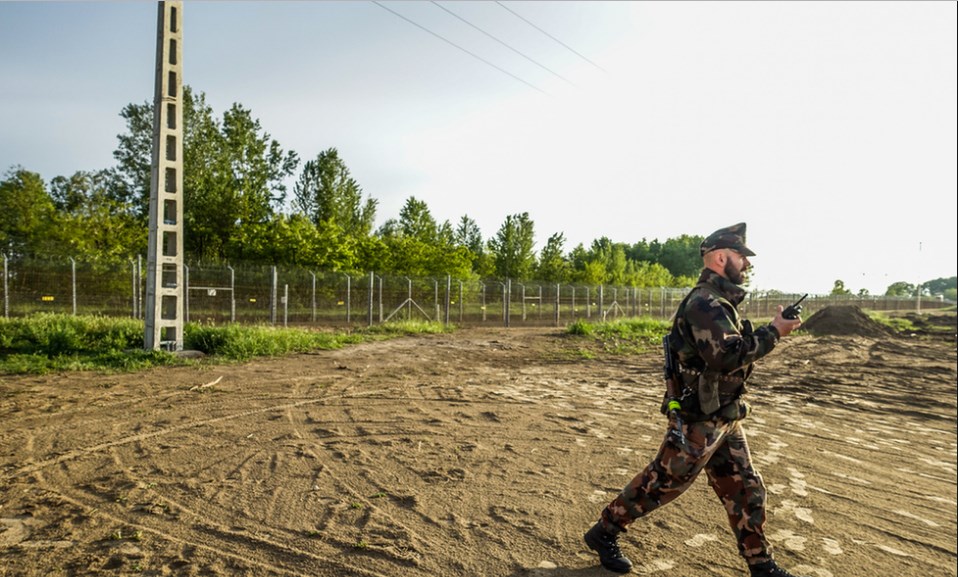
(485, 452)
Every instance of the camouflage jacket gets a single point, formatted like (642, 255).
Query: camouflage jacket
(715, 348)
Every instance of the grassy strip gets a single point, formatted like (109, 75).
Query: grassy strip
(630, 336)
(55, 342)
(897, 324)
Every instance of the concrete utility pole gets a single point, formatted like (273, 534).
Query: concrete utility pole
(164, 272)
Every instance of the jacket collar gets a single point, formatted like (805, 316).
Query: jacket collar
(724, 287)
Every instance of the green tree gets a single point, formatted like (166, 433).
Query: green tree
(652, 274)
(416, 221)
(295, 240)
(513, 247)
(839, 289)
(134, 157)
(612, 258)
(553, 265)
(468, 236)
(372, 254)
(417, 246)
(413, 257)
(326, 193)
(253, 166)
(645, 251)
(233, 174)
(940, 285)
(899, 289)
(27, 214)
(93, 222)
(591, 273)
(681, 255)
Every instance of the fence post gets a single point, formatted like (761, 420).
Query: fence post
(372, 291)
(482, 299)
(408, 298)
(133, 285)
(523, 287)
(573, 302)
(232, 294)
(73, 283)
(557, 305)
(272, 295)
(461, 303)
(448, 296)
(6, 290)
(349, 287)
(539, 304)
(435, 298)
(506, 297)
(186, 293)
(139, 285)
(601, 303)
(285, 304)
(313, 314)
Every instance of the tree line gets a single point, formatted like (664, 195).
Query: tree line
(237, 209)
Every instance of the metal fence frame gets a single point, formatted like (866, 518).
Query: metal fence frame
(256, 294)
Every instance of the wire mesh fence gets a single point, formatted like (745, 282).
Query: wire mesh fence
(256, 294)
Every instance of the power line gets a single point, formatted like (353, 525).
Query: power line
(546, 68)
(450, 42)
(549, 35)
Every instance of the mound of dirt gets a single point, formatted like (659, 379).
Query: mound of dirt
(844, 320)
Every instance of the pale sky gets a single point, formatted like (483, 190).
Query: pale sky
(829, 127)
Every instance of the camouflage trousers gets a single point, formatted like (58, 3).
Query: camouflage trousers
(719, 447)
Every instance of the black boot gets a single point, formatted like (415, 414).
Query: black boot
(607, 546)
(768, 569)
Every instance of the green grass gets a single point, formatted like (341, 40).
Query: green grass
(244, 342)
(631, 336)
(50, 342)
(56, 342)
(898, 324)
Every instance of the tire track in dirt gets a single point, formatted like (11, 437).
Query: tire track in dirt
(112, 447)
(255, 545)
(374, 518)
(341, 441)
(99, 447)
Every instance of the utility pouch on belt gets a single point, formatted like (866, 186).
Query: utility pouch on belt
(708, 392)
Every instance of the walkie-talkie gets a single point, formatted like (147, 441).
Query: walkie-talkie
(792, 311)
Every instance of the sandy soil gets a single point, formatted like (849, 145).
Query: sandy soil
(487, 452)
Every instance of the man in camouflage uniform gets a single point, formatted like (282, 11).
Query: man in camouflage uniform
(714, 349)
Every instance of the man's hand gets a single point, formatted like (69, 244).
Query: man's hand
(785, 326)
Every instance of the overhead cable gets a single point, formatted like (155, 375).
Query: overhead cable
(517, 15)
(450, 42)
(542, 66)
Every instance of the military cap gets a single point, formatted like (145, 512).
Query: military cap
(732, 237)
